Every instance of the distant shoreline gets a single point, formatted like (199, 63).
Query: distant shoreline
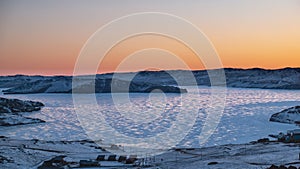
(147, 70)
(286, 78)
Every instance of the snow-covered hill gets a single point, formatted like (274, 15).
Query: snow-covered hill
(63, 84)
(288, 78)
(290, 115)
(146, 81)
(45, 85)
(13, 81)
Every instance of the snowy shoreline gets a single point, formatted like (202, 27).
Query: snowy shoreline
(16, 153)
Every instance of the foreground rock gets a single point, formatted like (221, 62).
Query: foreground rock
(16, 105)
(13, 120)
(234, 156)
(282, 167)
(10, 110)
(290, 116)
(16, 153)
(20, 154)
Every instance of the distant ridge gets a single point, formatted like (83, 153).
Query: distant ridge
(153, 69)
(285, 78)
(150, 69)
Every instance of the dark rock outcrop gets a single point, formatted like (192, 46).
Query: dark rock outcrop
(290, 115)
(14, 120)
(16, 105)
(88, 163)
(56, 162)
(10, 112)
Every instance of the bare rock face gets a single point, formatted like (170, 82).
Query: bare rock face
(290, 115)
(10, 111)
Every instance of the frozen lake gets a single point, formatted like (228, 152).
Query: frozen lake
(245, 118)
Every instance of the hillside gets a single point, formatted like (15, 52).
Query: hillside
(146, 81)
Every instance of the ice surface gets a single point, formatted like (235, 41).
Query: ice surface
(246, 115)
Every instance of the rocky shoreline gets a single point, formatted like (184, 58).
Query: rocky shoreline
(17, 153)
(11, 112)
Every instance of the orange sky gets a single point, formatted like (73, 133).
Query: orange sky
(46, 37)
(150, 51)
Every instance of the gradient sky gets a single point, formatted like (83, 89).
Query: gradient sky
(45, 37)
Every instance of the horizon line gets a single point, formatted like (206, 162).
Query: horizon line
(146, 70)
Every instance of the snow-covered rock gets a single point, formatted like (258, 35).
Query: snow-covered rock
(20, 154)
(10, 111)
(16, 153)
(13, 120)
(16, 105)
(290, 115)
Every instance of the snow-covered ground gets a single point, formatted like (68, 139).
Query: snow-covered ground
(23, 154)
(20, 154)
(245, 118)
(246, 156)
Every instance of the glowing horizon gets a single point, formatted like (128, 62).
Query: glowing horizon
(45, 38)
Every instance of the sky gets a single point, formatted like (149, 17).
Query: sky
(46, 37)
